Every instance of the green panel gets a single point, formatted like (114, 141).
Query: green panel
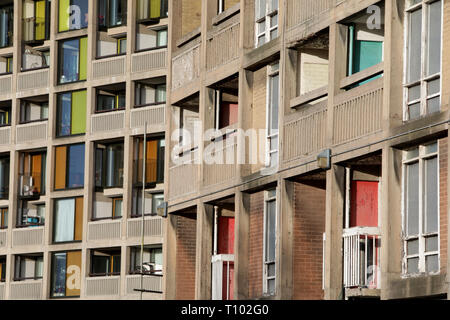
(79, 99)
(155, 8)
(64, 15)
(40, 20)
(366, 54)
(83, 58)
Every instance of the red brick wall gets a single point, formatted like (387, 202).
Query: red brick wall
(185, 267)
(309, 226)
(255, 259)
(443, 165)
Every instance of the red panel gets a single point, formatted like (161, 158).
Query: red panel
(228, 114)
(364, 204)
(225, 242)
(230, 282)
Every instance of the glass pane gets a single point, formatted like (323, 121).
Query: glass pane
(79, 100)
(413, 93)
(271, 286)
(260, 7)
(105, 102)
(64, 220)
(413, 153)
(412, 189)
(412, 247)
(431, 195)
(271, 270)
(432, 263)
(274, 96)
(79, 14)
(118, 208)
(162, 38)
(273, 34)
(413, 265)
(431, 148)
(434, 86)
(261, 40)
(414, 111)
(414, 54)
(262, 27)
(155, 8)
(64, 114)
(274, 21)
(59, 275)
(157, 200)
(434, 38)
(434, 105)
(431, 244)
(69, 64)
(270, 230)
(75, 175)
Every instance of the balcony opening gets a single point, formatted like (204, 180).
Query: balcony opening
(105, 262)
(28, 267)
(222, 257)
(4, 218)
(151, 11)
(186, 115)
(36, 21)
(111, 45)
(72, 15)
(34, 59)
(6, 65)
(152, 260)
(226, 103)
(4, 176)
(5, 113)
(150, 38)
(365, 42)
(66, 274)
(362, 221)
(6, 24)
(112, 13)
(110, 98)
(3, 269)
(34, 109)
(150, 92)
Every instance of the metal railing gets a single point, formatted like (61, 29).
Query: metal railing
(222, 268)
(362, 257)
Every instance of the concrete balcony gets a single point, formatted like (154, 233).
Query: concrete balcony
(154, 115)
(97, 287)
(33, 80)
(183, 176)
(33, 236)
(108, 121)
(31, 132)
(6, 84)
(186, 67)
(301, 11)
(3, 238)
(2, 291)
(109, 67)
(152, 283)
(149, 60)
(105, 230)
(26, 290)
(152, 227)
(222, 47)
(5, 135)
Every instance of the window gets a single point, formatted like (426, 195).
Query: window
(109, 165)
(36, 20)
(227, 109)
(122, 46)
(33, 110)
(152, 10)
(2, 269)
(35, 59)
(3, 218)
(73, 60)
(152, 260)
(4, 178)
(6, 26)
(150, 92)
(423, 55)
(5, 114)
(32, 175)
(66, 274)
(270, 242)
(148, 39)
(68, 220)
(272, 115)
(73, 15)
(110, 100)
(28, 267)
(112, 13)
(69, 167)
(30, 214)
(266, 17)
(154, 161)
(421, 209)
(220, 6)
(71, 113)
(117, 207)
(105, 262)
(157, 200)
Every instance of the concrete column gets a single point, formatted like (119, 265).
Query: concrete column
(205, 216)
(241, 245)
(170, 258)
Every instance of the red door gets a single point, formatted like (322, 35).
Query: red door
(225, 245)
(364, 204)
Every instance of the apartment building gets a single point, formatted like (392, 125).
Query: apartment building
(346, 197)
(79, 81)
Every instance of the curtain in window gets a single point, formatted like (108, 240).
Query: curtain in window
(64, 220)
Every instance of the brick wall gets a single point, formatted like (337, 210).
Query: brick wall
(191, 15)
(443, 165)
(185, 267)
(230, 3)
(309, 226)
(255, 258)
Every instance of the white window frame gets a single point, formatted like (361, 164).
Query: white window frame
(269, 13)
(220, 6)
(269, 196)
(422, 235)
(424, 79)
(272, 71)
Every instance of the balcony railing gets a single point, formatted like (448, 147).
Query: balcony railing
(2, 291)
(300, 11)
(28, 237)
(183, 177)
(31, 132)
(223, 47)
(108, 121)
(149, 60)
(26, 290)
(103, 286)
(222, 276)
(362, 257)
(151, 283)
(6, 84)
(186, 67)
(152, 227)
(33, 79)
(109, 67)
(104, 230)
(154, 115)
(3, 238)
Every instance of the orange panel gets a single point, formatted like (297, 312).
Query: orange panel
(36, 166)
(79, 219)
(60, 168)
(73, 274)
(152, 156)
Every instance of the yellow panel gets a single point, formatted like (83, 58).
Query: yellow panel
(73, 274)
(64, 15)
(79, 219)
(60, 167)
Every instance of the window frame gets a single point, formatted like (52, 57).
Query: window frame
(52, 275)
(422, 235)
(61, 61)
(269, 14)
(59, 16)
(273, 71)
(58, 114)
(74, 221)
(66, 188)
(269, 196)
(4, 215)
(424, 79)
(18, 258)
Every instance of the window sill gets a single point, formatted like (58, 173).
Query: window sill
(105, 219)
(150, 49)
(66, 242)
(361, 76)
(110, 56)
(34, 69)
(108, 111)
(32, 121)
(150, 104)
